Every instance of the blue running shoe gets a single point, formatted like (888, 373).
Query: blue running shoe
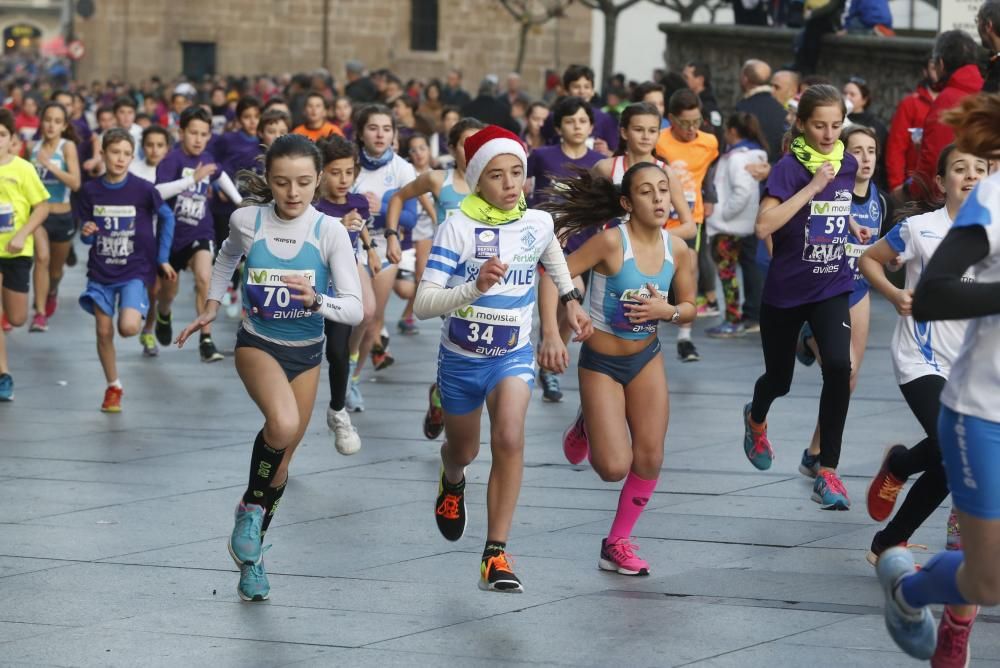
(353, 401)
(727, 330)
(802, 352)
(244, 543)
(914, 632)
(253, 584)
(6, 387)
(829, 492)
(755, 444)
(809, 466)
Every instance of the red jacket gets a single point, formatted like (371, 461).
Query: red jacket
(900, 151)
(964, 81)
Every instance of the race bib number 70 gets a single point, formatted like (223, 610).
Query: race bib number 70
(270, 298)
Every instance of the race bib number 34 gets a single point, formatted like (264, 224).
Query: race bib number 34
(484, 331)
(829, 222)
(270, 298)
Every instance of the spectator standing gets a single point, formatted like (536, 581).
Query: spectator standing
(906, 128)
(452, 94)
(762, 105)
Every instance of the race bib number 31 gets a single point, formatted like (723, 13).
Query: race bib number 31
(484, 331)
(270, 298)
(6, 218)
(829, 222)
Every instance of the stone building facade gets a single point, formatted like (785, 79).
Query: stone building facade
(134, 39)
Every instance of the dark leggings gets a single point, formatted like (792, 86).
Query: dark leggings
(338, 354)
(779, 330)
(923, 396)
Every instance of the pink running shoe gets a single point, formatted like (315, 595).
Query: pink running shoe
(5, 324)
(39, 323)
(51, 304)
(576, 447)
(952, 649)
(619, 556)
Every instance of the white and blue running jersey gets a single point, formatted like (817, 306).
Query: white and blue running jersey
(499, 321)
(59, 192)
(868, 211)
(449, 199)
(609, 295)
(384, 182)
(974, 384)
(922, 348)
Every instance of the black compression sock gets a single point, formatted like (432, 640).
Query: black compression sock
(493, 548)
(273, 508)
(264, 462)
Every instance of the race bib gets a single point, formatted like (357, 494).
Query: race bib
(690, 197)
(270, 298)
(485, 331)
(619, 317)
(190, 209)
(116, 233)
(6, 218)
(829, 222)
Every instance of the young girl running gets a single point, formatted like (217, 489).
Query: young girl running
(419, 238)
(969, 424)
(55, 158)
(24, 206)
(868, 209)
(481, 277)
(621, 365)
(183, 179)
(448, 188)
(340, 168)
(279, 346)
(806, 210)
(130, 231)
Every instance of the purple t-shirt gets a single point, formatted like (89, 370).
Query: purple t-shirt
(809, 263)
(125, 245)
(194, 218)
(548, 163)
(237, 150)
(605, 127)
(354, 201)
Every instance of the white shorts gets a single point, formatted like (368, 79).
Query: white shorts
(409, 260)
(424, 229)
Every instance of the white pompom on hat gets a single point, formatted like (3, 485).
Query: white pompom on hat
(487, 144)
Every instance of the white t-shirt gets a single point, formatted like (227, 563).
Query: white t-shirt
(143, 170)
(974, 386)
(923, 348)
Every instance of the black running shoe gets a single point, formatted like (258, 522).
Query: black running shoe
(164, 329)
(496, 574)
(209, 353)
(687, 352)
(550, 386)
(449, 511)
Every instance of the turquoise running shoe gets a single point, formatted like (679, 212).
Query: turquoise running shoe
(809, 466)
(244, 543)
(6, 387)
(756, 445)
(914, 632)
(829, 492)
(253, 584)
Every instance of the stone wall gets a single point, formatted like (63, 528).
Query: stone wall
(133, 39)
(891, 66)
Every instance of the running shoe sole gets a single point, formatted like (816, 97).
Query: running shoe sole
(252, 599)
(836, 505)
(918, 638)
(502, 586)
(608, 565)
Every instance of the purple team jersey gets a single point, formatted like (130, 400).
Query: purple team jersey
(809, 263)
(354, 201)
(548, 163)
(194, 218)
(125, 245)
(237, 150)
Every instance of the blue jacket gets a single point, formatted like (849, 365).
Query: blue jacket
(870, 13)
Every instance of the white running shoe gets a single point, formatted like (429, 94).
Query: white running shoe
(342, 432)
(231, 302)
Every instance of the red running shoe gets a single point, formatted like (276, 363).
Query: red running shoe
(884, 488)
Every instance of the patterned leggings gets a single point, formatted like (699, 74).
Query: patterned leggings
(726, 253)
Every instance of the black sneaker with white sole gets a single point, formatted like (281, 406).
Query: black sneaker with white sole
(687, 352)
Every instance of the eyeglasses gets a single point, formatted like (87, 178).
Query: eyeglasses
(692, 124)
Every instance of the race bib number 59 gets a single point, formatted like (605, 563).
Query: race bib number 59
(270, 298)
(484, 331)
(829, 222)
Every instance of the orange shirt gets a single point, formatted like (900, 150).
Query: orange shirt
(322, 132)
(690, 161)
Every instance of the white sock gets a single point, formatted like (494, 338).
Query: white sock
(116, 383)
(684, 333)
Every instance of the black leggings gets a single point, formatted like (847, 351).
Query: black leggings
(338, 354)
(923, 396)
(779, 330)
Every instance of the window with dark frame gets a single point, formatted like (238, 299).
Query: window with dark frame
(424, 25)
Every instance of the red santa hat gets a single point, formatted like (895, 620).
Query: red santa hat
(487, 144)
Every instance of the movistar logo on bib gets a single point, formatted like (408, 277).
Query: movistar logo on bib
(485, 331)
(837, 208)
(114, 211)
(487, 243)
(274, 276)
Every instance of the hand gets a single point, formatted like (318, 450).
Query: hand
(578, 321)
(653, 307)
(374, 261)
(393, 251)
(16, 244)
(903, 301)
(822, 177)
(490, 274)
(374, 203)
(895, 264)
(861, 232)
(353, 221)
(759, 171)
(709, 208)
(168, 272)
(90, 227)
(601, 147)
(300, 289)
(552, 354)
(203, 320)
(45, 159)
(202, 172)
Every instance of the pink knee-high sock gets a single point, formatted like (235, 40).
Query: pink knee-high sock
(635, 494)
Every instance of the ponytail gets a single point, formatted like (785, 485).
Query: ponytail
(581, 202)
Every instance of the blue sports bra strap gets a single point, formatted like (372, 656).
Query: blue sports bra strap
(667, 253)
(318, 227)
(625, 241)
(257, 223)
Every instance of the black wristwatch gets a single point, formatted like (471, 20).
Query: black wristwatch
(390, 233)
(574, 294)
(317, 302)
